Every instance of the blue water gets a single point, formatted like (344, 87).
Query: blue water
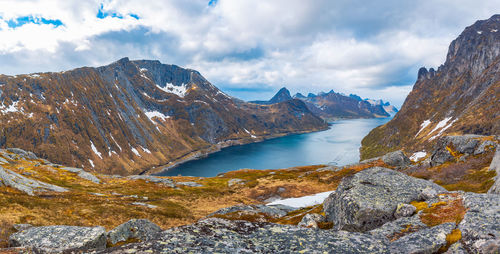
(339, 145)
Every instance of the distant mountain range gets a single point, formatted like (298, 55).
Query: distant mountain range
(332, 105)
(130, 116)
(460, 97)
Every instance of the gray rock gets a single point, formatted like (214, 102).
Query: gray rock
(153, 179)
(60, 238)
(495, 165)
(329, 169)
(428, 193)
(491, 246)
(22, 153)
(189, 184)
(271, 211)
(465, 145)
(26, 185)
(222, 236)
(368, 199)
(396, 159)
(404, 210)
(485, 146)
(311, 220)
(140, 229)
(393, 228)
(428, 240)
(235, 181)
(145, 205)
(481, 223)
(82, 174)
(456, 248)
(21, 227)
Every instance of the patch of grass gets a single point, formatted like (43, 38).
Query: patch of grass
(449, 210)
(294, 217)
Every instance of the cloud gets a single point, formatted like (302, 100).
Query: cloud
(373, 48)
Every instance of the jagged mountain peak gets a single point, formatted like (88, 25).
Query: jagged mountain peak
(282, 95)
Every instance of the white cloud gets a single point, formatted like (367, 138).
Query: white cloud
(373, 48)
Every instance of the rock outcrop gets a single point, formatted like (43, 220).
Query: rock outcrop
(495, 166)
(369, 198)
(58, 239)
(24, 184)
(137, 229)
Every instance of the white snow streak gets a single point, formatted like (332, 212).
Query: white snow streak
(305, 201)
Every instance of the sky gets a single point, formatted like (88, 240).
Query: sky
(249, 49)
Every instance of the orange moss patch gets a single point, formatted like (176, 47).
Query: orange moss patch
(419, 205)
(407, 229)
(451, 238)
(450, 210)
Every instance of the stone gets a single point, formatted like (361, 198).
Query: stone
(216, 235)
(427, 194)
(148, 178)
(481, 223)
(428, 240)
(393, 229)
(495, 166)
(404, 210)
(485, 146)
(82, 174)
(24, 184)
(60, 238)
(21, 227)
(235, 181)
(311, 220)
(369, 198)
(145, 205)
(22, 153)
(396, 159)
(138, 229)
(189, 184)
(270, 211)
(456, 248)
(463, 145)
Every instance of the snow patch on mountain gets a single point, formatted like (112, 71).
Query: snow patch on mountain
(180, 91)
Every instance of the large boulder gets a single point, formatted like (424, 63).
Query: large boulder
(136, 229)
(396, 159)
(481, 224)
(464, 145)
(495, 166)
(369, 198)
(29, 186)
(216, 235)
(57, 239)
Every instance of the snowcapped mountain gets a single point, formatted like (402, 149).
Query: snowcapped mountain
(130, 116)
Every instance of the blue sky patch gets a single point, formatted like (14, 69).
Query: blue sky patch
(212, 2)
(21, 21)
(101, 14)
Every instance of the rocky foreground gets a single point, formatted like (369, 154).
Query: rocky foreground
(379, 209)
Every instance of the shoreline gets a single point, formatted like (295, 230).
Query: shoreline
(201, 153)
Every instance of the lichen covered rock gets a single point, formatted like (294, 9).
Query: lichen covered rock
(369, 198)
(137, 229)
(60, 238)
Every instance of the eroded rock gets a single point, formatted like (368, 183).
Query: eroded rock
(396, 159)
(60, 238)
(368, 199)
(428, 240)
(311, 220)
(137, 229)
(24, 184)
(404, 210)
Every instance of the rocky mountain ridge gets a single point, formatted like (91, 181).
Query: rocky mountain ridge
(130, 116)
(460, 97)
(332, 106)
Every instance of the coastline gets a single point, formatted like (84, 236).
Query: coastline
(200, 153)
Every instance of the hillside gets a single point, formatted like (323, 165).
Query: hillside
(130, 116)
(461, 97)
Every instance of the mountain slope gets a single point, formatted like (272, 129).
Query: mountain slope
(129, 116)
(281, 96)
(334, 105)
(461, 97)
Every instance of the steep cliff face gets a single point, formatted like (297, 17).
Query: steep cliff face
(132, 115)
(461, 97)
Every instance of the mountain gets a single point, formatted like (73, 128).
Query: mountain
(130, 116)
(281, 96)
(460, 97)
(334, 105)
(385, 105)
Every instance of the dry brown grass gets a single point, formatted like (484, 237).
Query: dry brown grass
(451, 209)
